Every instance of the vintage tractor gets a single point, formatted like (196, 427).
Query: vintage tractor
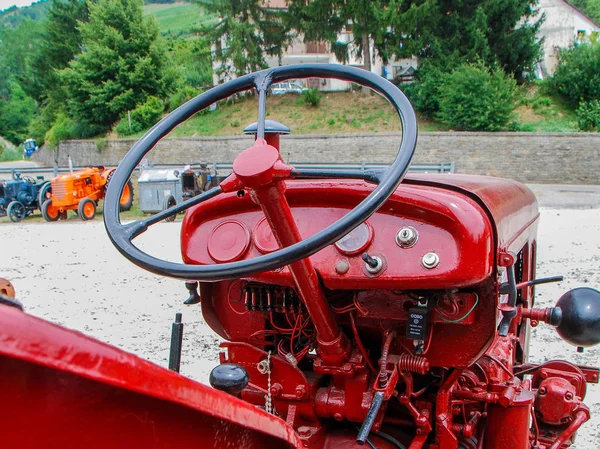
(29, 148)
(358, 309)
(81, 191)
(21, 196)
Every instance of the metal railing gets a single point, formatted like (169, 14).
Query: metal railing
(216, 168)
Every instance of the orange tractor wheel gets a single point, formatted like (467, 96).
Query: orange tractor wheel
(126, 197)
(49, 212)
(86, 209)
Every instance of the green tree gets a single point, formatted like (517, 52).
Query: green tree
(62, 41)
(122, 64)
(590, 7)
(472, 97)
(16, 112)
(448, 33)
(18, 50)
(324, 20)
(246, 32)
(577, 76)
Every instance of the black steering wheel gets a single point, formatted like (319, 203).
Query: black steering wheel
(387, 180)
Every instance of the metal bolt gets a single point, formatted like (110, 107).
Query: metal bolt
(276, 389)
(304, 431)
(430, 260)
(263, 366)
(300, 391)
(407, 237)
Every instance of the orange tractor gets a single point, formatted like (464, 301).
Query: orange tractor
(81, 190)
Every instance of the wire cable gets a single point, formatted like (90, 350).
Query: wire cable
(464, 317)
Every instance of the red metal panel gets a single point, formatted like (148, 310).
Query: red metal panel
(62, 389)
(512, 205)
(449, 223)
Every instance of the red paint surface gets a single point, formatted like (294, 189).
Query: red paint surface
(77, 392)
(452, 225)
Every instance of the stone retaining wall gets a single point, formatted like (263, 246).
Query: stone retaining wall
(553, 158)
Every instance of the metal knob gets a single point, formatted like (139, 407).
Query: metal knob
(229, 377)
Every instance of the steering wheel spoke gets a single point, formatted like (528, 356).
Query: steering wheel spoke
(138, 227)
(371, 176)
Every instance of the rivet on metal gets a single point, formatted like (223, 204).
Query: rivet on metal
(342, 267)
(430, 260)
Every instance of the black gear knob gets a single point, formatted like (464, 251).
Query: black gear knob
(580, 317)
(229, 377)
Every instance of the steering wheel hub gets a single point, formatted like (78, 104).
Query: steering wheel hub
(259, 165)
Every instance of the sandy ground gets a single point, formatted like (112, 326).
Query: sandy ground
(70, 274)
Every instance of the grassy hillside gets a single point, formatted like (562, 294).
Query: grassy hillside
(176, 19)
(354, 112)
(13, 16)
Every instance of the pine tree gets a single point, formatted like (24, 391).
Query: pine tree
(448, 33)
(245, 33)
(122, 64)
(324, 20)
(62, 41)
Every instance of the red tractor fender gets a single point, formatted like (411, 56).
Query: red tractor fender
(62, 389)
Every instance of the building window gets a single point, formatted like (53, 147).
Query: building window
(316, 47)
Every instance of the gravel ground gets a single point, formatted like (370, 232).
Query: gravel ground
(70, 274)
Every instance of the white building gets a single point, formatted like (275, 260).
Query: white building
(564, 25)
(300, 52)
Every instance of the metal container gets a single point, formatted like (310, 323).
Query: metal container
(159, 188)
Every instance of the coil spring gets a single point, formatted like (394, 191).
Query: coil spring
(413, 363)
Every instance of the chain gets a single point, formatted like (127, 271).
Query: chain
(268, 399)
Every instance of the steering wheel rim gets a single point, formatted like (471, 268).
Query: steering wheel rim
(122, 235)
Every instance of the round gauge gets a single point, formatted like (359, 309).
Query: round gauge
(356, 241)
(229, 241)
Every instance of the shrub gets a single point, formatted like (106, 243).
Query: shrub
(577, 76)
(312, 97)
(182, 95)
(424, 94)
(9, 154)
(475, 98)
(101, 144)
(62, 129)
(588, 115)
(142, 117)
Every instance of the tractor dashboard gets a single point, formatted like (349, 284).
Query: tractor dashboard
(423, 238)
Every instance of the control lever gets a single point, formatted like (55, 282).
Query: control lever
(176, 343)
(509, 310)
(365, 429)
(505, 287)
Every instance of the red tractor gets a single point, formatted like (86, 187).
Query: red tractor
(357, 308)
